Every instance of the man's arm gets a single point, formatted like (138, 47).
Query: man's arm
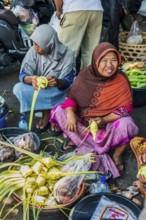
(58, 4)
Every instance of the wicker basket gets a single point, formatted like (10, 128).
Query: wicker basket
(132, 52)
(139, 149)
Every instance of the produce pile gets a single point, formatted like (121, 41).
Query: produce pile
(42, 181)
(136, 73)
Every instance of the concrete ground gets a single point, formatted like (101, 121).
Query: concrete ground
(8, 80)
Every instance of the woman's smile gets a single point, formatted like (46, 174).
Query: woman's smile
(108, 64)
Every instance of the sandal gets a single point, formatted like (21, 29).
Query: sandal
(121, 167)
(119, 164)
(54, 130)
(42, 126)
(68, 145)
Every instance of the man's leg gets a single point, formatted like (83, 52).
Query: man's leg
(91, 37)
(71, 30)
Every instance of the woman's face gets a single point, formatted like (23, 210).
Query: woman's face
(108, 64)
(38, 49)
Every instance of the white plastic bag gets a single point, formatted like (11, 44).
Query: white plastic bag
(134, 36)
(54, 22)
(142, 9)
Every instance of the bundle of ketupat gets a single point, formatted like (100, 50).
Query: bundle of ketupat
(136, 73)
(36, 179)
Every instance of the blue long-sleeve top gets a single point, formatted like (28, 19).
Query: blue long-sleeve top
(67, 80)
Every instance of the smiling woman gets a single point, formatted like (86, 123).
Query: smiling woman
(108, 64)
(100, 93)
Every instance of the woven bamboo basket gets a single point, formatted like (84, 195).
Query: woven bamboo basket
(138, 147)
(132, 52)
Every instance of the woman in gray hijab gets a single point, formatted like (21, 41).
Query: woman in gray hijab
(50, 58)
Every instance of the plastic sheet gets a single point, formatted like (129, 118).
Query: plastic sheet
(108, 209)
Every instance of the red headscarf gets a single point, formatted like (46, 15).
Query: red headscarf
(96, 95)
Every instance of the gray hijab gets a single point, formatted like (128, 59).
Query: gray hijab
(58, 59)
(46, 38)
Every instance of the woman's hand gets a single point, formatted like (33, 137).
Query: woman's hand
(34, 82)
(100, 121)
(71, 124)
(52, 81)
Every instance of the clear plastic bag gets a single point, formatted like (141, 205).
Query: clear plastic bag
(6, 153)
(28, 19)
(24, 141)
(134, 36)
(68, 187)
(54, 22)
(26, 15)
(109, 209)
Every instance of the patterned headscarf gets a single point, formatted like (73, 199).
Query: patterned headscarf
(95, 94)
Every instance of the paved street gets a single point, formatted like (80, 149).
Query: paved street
(7, 81)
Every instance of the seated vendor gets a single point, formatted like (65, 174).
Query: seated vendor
(101, 92)
(51, 59)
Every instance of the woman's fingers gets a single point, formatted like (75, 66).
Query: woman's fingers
(34, 82)
(71, 127)
(52, 81)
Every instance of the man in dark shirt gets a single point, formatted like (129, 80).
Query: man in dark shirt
(114, 13)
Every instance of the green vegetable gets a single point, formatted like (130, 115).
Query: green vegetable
(141, 85)
(135, 71)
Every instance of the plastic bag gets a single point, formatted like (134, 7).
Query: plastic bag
(109, 209)
(29, 28)
(6, 153)
(26, 15)
(28, 19)
(24, 141)
(142, 9)
(134, 36)
(54, 22)
(68, 187)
